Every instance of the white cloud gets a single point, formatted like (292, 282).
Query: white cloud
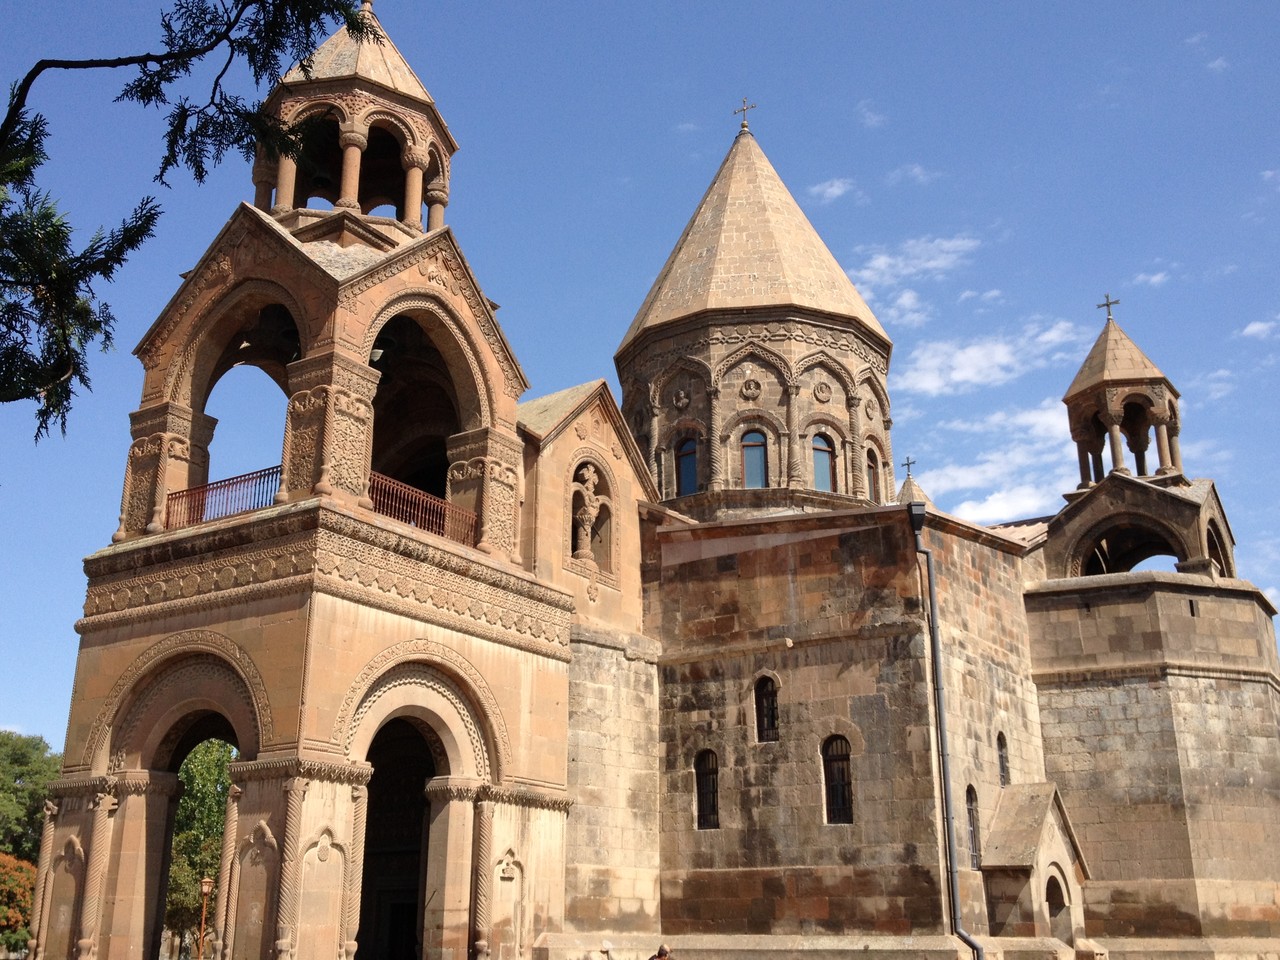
(834, 189)
(908, 310)
(1151, 279)
(1213, 385)
(913, 172)
(1260, 329)
(687, 127)
(943, 367)
(868, 116)
(1196, 39)
(917, 258)
(1218, 65)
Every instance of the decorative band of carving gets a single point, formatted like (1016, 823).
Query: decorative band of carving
(447, 792)
(532, 799)
(136, 783)
(82, 786)
(354, 774)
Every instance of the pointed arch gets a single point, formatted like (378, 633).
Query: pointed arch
(824, 360)
(870, 379)
(690, 365)
(761, 353)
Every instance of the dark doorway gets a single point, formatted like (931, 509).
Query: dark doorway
(395, 853)
(1059, 911)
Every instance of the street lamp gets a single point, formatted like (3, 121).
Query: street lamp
(206, 888)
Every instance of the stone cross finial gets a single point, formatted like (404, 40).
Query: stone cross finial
(743, 110)
(1108, 303)
(908, 463)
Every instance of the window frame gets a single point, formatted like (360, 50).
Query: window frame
(975, 834)
(766, 703)
(760, 448)
(706, 771)
(685, 451)
(830, 471)
(837, 779)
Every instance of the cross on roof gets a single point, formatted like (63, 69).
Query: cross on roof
(743, 110)
(1108, 303)
(909, 463)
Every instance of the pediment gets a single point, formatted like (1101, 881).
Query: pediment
(1027, 819)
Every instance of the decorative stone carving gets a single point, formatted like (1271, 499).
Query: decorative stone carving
(750, 389)
(822, 391)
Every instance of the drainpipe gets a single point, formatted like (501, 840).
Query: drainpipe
(916, 512)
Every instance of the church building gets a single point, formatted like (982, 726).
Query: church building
(567, 677)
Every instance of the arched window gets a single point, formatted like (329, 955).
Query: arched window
(975, 848)
(706, 767)
(755, 460)
(839, 783)
(686, 467)
(766, 710)
(1002, 753)
(824, 463)
(873, 476)
(591, 523)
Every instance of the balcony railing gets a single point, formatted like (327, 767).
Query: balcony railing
(399, 501)
(222, 498)
(253, 491)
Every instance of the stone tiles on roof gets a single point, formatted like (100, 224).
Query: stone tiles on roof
(749, 245)
(1114, 358)
(541, 414)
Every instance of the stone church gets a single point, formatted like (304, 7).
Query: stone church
(565, 678)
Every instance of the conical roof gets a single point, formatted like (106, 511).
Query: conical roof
(341, 57)
(1114, 358)
(912, 492)
(749, 245)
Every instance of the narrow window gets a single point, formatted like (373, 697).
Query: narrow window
(755, 465)
(873, 476)
(706, 767)
(975, 850)
(835, 771)
(686, 467)
(1002, 752)
(766, 710)
(824, 463)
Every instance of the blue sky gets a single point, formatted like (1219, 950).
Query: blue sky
(984, 172)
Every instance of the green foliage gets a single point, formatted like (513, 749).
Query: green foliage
(26, 767)
(197, 834)
(17, 883)
(49, 312)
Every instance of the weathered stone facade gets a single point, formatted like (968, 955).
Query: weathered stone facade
(525, 679)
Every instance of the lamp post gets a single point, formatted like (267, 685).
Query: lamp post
(206, 888)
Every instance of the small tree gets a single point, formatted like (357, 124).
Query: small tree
(17, 881)
(26, 767)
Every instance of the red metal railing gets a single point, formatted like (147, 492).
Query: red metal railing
(222, 498)
(399, 501)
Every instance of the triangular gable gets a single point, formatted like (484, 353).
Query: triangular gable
(546, 418)
(344, 228)
(1017, 830)
(1082, 500)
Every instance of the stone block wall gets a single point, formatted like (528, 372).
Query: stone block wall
(611, 850)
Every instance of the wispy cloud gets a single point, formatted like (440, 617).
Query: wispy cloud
(987, 296)
(907, 310)
(1151, 279)
(912, 172)
(1260, 329)
(687, 127)
(834, 189)
(918, 258)
(1196, 39)
(868, 116)
(1213, 385)
(1218, 65)
(944, 367)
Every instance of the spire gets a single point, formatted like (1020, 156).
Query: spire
(1114, 358)
(749, 245)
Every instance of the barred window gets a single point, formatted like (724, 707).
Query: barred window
(1002, 753)
(766, 710)
(975, 848)
(706, 767)
(836, 773)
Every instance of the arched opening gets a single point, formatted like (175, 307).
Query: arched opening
(824, 463)
(1136, 427)
(975, 837)
(1059, 911)
(766, 710)
(838, 778)
(1002, 755)
(1218, 550)
(755, 460)
(415, 409)
(250, 409)
(706, 769)
(1122, 547)
(686, 453)
(874, 490)
(319, 163)
(393, 887)
(381, 173)
(591, 521)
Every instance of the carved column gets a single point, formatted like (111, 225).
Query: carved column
(1175, 446)
(715, 450)
(35, 946)
(290, 868)
(891, 492)
(353, 144)
(655, 411)
(230, 834)
(1162, 448)
(795, 473)
(286, 180)
(857, 453)
(437, 200)
(265, 172)
(414, 161)
(483, 876)
(484, 476)
(1117, 445)
(104, 805)
(328, 438)
(355, 870)
(1082, 456)
(170, 452)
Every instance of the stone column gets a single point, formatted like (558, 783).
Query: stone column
(104, 806)
(446, 923)
(290, 868)
(715, 450)
(1082, 455)
(655, 410)
(1117, 446)
(1175, 447)
(35, 946)
(286, 180)
(230, 835)
(483, 876)
(1095, 458)
(414, 161)
(484, 476)
(795, 474)
(437, 200)
(353, 144)
(170, 452)
(265, 173)
(890, 480)
(857, 451)
(355, 870)
(1162, 448)
(140, 839)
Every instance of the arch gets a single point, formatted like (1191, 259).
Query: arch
(1216, 548)
(972, 819)
(752, 417)
(766, 703)
(761, 353)
(380, 116)
(318, 108)
(823, 359)
(591, 536)
(826, 424)
(869, 379)
(706, 770)
(1119, 542)
(754, 446)
(837, 778)
(1057, 899)
(826, 476)
(874, 467)
(1002, 758)
(457, 347)
(153, 663)
(689, 365)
